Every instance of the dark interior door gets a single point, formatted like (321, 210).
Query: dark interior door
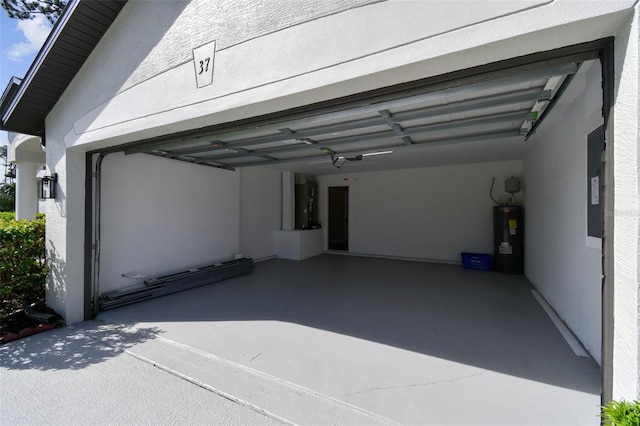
(339, 218)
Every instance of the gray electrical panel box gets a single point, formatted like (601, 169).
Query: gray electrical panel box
(595, 146)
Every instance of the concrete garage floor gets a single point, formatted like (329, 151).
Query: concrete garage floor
(409, 342)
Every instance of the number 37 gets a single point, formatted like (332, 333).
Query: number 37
(204, 65)
(203, 62)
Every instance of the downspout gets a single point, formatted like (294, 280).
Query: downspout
(95, 288)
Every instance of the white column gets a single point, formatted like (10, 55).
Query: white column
(26, 190)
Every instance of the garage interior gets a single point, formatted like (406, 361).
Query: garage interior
(379, 328)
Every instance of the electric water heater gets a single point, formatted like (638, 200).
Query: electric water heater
(508, 239)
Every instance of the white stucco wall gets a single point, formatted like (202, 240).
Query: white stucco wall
(161, 216)
(560, 260)
(626, 214)
(337, 51)
(431, 213)
(65, 231)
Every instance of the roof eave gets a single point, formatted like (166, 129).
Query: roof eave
(17, 111)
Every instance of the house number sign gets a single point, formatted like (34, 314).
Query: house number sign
(203, 58)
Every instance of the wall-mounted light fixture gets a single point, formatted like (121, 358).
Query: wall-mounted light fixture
(47, 186)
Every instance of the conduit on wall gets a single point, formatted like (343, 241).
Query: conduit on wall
(95, 279)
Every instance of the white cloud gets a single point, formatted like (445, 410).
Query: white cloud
(35, 31)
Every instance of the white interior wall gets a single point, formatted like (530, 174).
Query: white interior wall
(560, 260)
(430, 213)
(260, 211)
(162, 216)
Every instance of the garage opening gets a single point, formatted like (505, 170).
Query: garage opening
(418, 160)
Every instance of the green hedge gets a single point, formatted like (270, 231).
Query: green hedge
(5, 216)
(22, 261)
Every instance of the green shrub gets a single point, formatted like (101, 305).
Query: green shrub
(22, 262)
(7, 216)
(621, 413)
(7, 197)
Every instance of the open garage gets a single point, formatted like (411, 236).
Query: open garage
(425, 195)
(360, 173)
(417, 169)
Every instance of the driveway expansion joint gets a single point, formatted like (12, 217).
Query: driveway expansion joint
(256, 390)
(212, 389)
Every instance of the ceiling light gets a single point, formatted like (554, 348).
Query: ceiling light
(377, 153)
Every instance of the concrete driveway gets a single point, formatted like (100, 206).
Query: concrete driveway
(329, 340)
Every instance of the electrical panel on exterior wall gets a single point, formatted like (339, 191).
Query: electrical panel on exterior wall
(595, 146)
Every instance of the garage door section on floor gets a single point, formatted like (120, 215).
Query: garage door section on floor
(505, 105)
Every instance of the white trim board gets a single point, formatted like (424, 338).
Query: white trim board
(575, 345)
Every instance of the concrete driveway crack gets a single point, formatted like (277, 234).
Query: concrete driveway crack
(413, 385)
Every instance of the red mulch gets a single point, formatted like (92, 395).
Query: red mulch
(19, 325)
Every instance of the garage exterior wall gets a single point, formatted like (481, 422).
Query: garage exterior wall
(560, 259)
(229, 22)
(336, 52)
(432, 213)
(124, 92)
(625, 215)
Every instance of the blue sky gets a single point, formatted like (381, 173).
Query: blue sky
(20, 41)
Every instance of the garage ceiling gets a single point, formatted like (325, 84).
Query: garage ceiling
(491, 114)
